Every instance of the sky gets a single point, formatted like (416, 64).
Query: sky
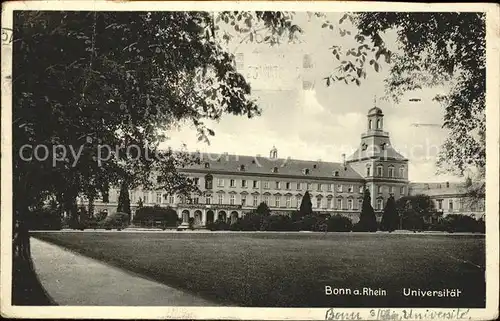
(323, 122)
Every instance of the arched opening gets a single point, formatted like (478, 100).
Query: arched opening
(379, 124)
(197, 218)
(210, 217)
(185, 216)
(208, 181)
(222, 216)
(370, 124)
(234, 217)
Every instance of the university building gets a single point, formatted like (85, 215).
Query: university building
(232, 185)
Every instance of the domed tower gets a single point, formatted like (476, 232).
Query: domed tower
(273, 154)
(384, 169)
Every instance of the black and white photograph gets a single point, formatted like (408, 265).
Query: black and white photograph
(214, 160)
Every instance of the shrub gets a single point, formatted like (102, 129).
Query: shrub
(100, 216)
(116, 220)
(276, 223)
(45, 219)
(463, 223)
(339, 223)
(166, 215)
(218, 225)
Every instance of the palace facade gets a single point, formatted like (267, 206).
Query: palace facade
(232, 185)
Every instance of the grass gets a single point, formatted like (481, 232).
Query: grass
(292, 269)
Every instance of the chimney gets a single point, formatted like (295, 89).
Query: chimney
(343, 161)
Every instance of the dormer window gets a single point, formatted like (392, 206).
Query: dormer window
(207, 165)
(383, 146)
(364, 146)
(275, 169)
(242, 167)
(336, 173)
(306, 171)
(315, 166)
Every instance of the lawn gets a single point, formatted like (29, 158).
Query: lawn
(292, 269)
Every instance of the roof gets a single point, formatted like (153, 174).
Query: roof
(375, 111)
(387, 153)
(277, 166)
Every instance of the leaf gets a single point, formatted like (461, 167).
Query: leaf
(327, 81)
(251, 36)
(324, 25)
(376, 67)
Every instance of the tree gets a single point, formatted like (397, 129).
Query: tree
(415, 210)
(367, 219)
(124, 200)
(437, 49)
(263, 210)
(390, 218)
(305, 205)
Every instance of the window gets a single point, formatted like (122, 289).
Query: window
(196, 181)
(329, 187)
(349, 204)
(171, 199)
(266, 184)
(329, 203)
(391, 171)
(158, 198)
(288, 202)
(380, 204)
(306, 171)
(255, 184)
(320, 187)
(208, 182)
(339, 203)
(242, 168)
(299, 187)
(196, 200)
(298, 199)
(370, 124)
(382, 146)
(287, 185)
(368, 171)
(360, 204)
(146, 197)
(231, 199)
(380, 189)
(244, 183)
(182, 199)
(361, 189)
(450, 205)
(350, 189)
(277, 201)
(266, 199)
(207, 165)
(255, 200)
(447, 184)
(220, 182)
(308, 186)
(402, 191)
(391, 189)
(461, 205)
(278, 185)
(275, 169)
(232, 183)
(379, 124)
(221, 198)
(339, 188)
(402, 172)
(440, 204)
(243, 200)
(336, 173)
(208, 199)
(380, 170)
(132, 197)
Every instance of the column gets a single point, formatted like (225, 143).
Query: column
(204, 217)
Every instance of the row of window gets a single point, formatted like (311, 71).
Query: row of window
(380, 171)
(243, 183)
(273, 201)
(462, 205)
